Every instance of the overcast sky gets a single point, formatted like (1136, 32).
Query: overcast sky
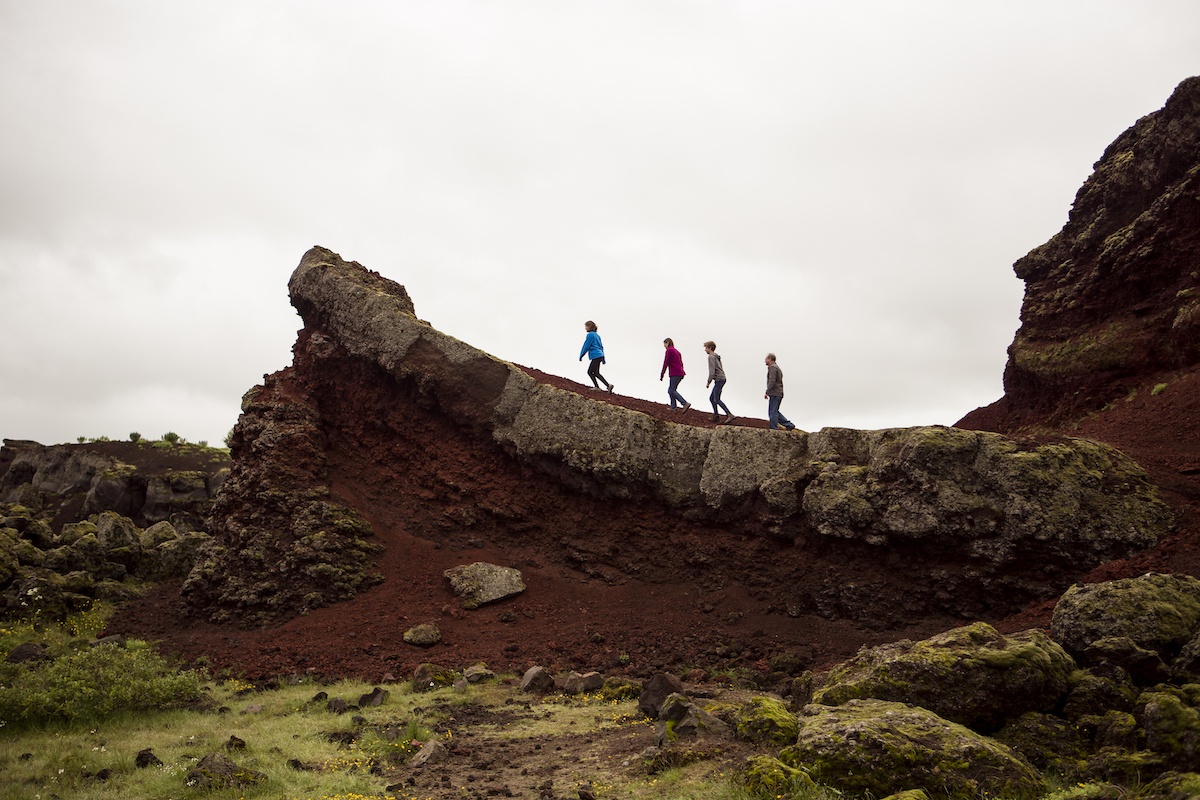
(846, 184)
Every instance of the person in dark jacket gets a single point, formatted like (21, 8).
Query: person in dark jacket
(673, 363)
(774, 396)
(593, 348)
(716, 375)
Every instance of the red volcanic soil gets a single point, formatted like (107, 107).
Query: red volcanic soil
(584, 616)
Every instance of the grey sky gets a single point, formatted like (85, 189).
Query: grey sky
(846, 184)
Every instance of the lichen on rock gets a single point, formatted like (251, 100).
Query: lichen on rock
(879, 747)
(972, 675)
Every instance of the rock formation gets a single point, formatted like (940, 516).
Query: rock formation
(1113, 299)
(76, 520)
(375, 392)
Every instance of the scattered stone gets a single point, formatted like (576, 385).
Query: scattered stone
(373, 698)
(423, 635)
(146, 758)
(481, 582)
(536, 680)
(235, 743)
(431, 752)
(575, 683)
(217, 771)
(253, 708)
(656, 691)
(337, 705)
(26, 652)
(117, 640)
(478, 674)
(427, 677)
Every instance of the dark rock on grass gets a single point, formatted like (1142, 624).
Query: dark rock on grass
(217, 771)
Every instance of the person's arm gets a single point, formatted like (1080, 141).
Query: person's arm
(587, 340)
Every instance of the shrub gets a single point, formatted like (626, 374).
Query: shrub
(170, 437)
(93, 683)
(135, 436)
(1158, 389)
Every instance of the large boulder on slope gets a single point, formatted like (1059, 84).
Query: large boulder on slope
(481, 582)
(971, 675)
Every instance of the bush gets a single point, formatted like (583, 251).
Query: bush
(90, 684)
(1158, 389)
(170, 437)
(135, 436)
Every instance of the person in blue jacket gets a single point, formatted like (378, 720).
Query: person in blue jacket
(593, 348)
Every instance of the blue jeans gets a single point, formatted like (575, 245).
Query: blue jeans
(774, 417)
(673, 394)
(715, 397)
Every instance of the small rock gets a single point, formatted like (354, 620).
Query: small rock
(536, 680)
(373, 698)
(146, 758)
(423, 635)
(431, 752)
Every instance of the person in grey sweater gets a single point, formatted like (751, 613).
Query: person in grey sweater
(774, 396)
(716, 375)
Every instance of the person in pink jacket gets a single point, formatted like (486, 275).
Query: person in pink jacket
(673, 364)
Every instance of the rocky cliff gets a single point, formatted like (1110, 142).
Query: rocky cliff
(384, 426)
(1112, 301)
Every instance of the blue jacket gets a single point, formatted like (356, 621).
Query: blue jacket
(592, 347)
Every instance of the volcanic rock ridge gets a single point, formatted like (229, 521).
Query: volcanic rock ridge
(385, 426)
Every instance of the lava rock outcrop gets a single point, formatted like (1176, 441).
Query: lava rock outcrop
(375, 395)
(1113, 299)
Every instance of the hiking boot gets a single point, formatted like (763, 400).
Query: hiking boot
(716, 417)
(729, 420)
(610, 388)
(686, 406)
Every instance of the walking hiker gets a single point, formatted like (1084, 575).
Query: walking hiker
(673, 363)
(593, 348)
(716, 375)
(774, 396)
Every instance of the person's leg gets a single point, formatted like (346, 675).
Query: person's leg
(673, 391)
(715, 397)
(784, 422)
(773, 402)
(594, 371)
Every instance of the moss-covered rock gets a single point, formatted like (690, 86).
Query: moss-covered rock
(878, 747)
(173, 558)
(1095, 694)
(427, 677)
(1112, 729)
(1049, 743)
(1144, 667)
(115, 531)
(769, 778)
(1174, 786)
(9, 563)
(1128, 767)
(985, 494)
(1158, 612)
(971, 675)
(765, 720)
(1172, 727)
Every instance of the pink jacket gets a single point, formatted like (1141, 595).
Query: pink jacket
(672, 361)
